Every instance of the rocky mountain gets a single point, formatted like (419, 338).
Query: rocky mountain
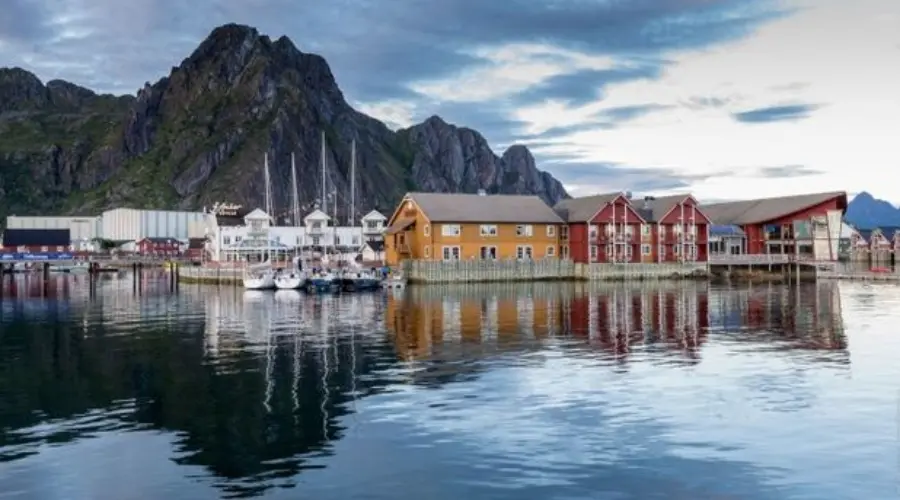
(867, 212)
(199, 136)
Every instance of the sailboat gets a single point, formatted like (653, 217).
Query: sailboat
(294, 278)
(357, 278)
(261, 276)
(323, 280)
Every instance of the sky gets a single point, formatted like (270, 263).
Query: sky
(727, 99)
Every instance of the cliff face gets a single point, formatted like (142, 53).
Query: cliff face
(199, 136)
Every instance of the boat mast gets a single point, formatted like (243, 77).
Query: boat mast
(353, 183)
(296, 196)
(268, 203)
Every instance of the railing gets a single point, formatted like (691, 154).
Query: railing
(758, 259)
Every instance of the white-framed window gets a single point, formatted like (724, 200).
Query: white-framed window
(450, 230)
(316, 225)
(610, 250)
(564, 232)
(427, 230)
(645, 229)
(451, 253)
(551, 231)
(316, 241)
(524, 252)
(592, 232)
(525, 230)
(374, 224)
(594, 252)
(237, 239)
(677, 249)
(610, 229)
(488, 253)
(564, 252)
(226, 240)
(662, 251)
(427, 252)
(337, 240)
(489, 230)
(646, 250)
(551, 251)
(676, 229)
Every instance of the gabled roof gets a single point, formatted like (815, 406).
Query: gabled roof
(316, 215)
(374, 215)
(374, 245)
(257, 214)
(886, 231)
(36, 237)
(766, 209)
(491, 208)
(584, 208)
(655, 209)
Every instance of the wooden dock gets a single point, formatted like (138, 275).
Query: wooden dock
(893, 277)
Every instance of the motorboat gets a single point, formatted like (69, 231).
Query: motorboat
(74, 268)
(361, 279)
(395, 280)
(259, 277)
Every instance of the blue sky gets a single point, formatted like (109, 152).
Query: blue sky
(726, 98)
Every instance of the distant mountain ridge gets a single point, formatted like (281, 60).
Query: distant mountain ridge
(867, 212)
(198, 136)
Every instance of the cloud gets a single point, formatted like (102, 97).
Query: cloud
(591, 178)
(787, 171)
(787, 113)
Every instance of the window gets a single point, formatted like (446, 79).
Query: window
(523, 252)
(450, 230)
(427, 230)
(526, 230)
(564, 232)
(488, 253)
(451, 253)
(662, 251)
(237, 239)
(646, 250)
(337, 240)
(611, 229)
(427, 252)
(551, 251)
(315, 241)
(488, 230)
(43, 249)
(645, 229)
(592, 232)
(564, 252)
(375, 225)
(356, 240)
(316, 225)
(226, 240)
(677, 249)
(593, 252)
(551, 231)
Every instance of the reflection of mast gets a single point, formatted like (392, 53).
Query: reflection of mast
(298, 352)
(326, 371)
(270, 368)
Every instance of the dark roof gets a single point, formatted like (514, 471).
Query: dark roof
(584, 208)
(36, 237)
(489, 208)
(766, 209)
(229, 220)
(161, 240)
(196, 243)
(375, 245)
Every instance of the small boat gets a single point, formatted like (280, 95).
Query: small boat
(290, 280)
(360, 279)
(322, 281)
(394, 281)
(260, 277)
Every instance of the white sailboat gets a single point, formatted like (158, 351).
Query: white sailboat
(294, 278)
(261, 276)
(357, 277)
(324, 279)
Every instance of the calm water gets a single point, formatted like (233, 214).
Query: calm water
(678, 391)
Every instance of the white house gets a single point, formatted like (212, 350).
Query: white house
(316, 235)
(372, 251)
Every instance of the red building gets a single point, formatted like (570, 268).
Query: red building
(805, 225)
(610, 228)
(165, 247)
(196, 248)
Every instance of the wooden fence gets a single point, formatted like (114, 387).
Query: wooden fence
(486, 271)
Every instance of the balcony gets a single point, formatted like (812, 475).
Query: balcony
(316, 229)
(403, 249)
(617, 238)
(747, 259)
(373, 229)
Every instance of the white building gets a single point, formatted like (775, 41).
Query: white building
(229, 239)
(129, 224)
(81, 229)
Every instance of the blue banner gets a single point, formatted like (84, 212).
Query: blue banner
(36, 257)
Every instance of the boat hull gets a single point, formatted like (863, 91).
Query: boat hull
(262, 282)
(291, 282)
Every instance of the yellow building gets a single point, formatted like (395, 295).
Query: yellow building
(443, 226)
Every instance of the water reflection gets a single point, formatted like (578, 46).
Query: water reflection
(261, 391)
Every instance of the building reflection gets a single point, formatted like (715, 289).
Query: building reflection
(674, 318)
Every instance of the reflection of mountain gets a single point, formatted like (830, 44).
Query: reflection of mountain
(254, 414)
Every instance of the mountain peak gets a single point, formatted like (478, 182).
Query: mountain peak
(867, 212)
